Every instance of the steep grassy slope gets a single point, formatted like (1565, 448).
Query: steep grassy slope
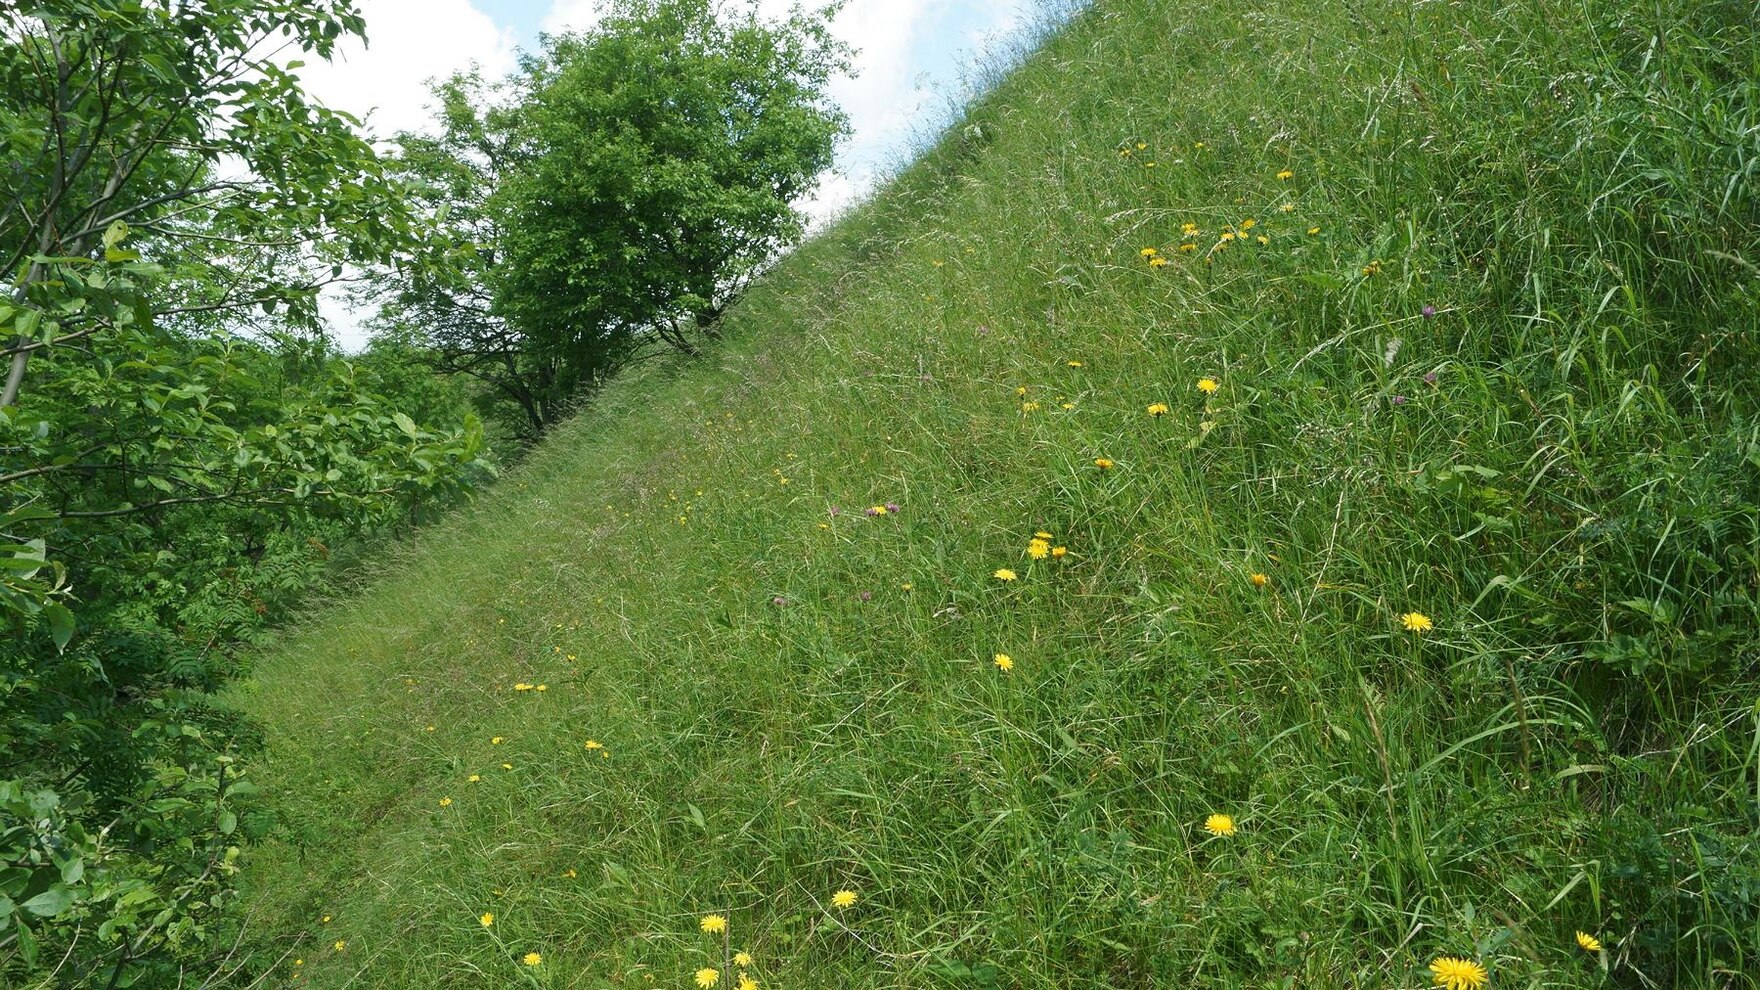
(1476, 290)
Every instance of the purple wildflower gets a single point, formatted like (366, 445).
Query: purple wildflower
(1430, 377)
(779, 600)
(870, 512)
(1429, 311)
(866, 596)
(1400, 400)
(892, 507)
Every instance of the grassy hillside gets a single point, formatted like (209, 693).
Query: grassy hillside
(1476, 290)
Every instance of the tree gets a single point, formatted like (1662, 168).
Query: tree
(166, 178)
(175, 448)
(624, 187)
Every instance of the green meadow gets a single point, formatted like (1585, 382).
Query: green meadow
(1382, 376)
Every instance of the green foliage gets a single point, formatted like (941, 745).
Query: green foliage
(615, 194)
(174, 460)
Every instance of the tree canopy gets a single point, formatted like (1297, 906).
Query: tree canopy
(615, 194)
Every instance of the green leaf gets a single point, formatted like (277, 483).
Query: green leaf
(50, 902)
(61, 624)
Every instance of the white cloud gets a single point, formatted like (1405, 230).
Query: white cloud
(571, 15)
(408, 43)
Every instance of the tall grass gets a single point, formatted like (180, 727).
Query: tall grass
(1494, 364)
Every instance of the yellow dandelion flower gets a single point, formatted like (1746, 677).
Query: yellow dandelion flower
(747, 983)
(1157, 409)
(1157, 262)
(445, 802)
(325, 919)
(1188, 247)
(428, 729)
(532, 958)
(1029, 407)
(1417, 622)
(475, 778)
(542, 687)
(1142, 146)
(1263, 240)
(570, 873)
(1073, 364)
(1260, 580)
(340, 944)
(1208, 386)
(1313, 230)
(1020, 390)
(1059, 551)
(742, 959)
(1248, 224)
(1285, 174)
(713, 924)
(1227, 235)
(507, 766)
(906, 586)
(1287, 208)
(1042, 535)
(1372, 268)
(497, 740)
(843, 899)
(486, 920)
(1189, 229)
(1452, 973)
(1038, 549)
(1003, 574)
(707, 977)
(1103, 463)
(1222, 825)
(1588, 942)
(595, 744)
(1148, 252)
(1005, 662)
(522, 687)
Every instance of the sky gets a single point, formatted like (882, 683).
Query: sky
(911, 60)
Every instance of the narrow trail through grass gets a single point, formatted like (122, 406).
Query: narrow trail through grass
(1379, 381)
